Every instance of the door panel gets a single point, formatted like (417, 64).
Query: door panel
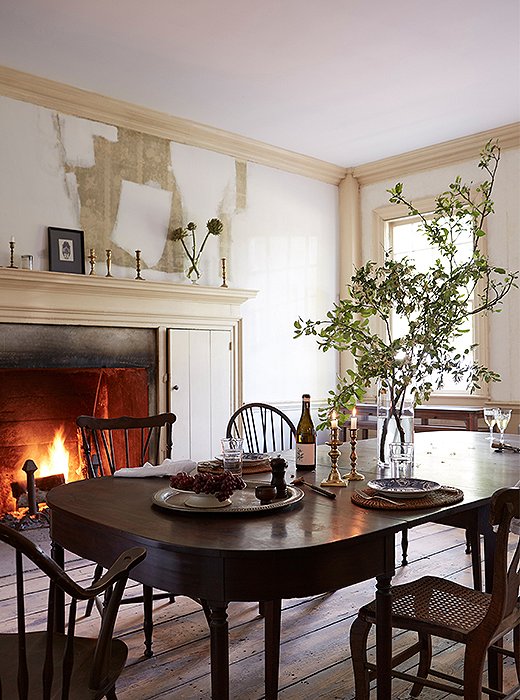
(200, 364)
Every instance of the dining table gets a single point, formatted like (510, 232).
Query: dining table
(312, 546)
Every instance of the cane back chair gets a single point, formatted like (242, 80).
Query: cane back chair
(439, 607)
(53, 664)
(109, 444)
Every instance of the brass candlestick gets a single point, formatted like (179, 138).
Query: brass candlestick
(92, 261)
(353, 475)
(334, 477)
(138, 265)
(223, 265)
(109, 263)
(11, 264)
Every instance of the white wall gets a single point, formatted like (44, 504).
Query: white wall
(503, 242)
(281, 235)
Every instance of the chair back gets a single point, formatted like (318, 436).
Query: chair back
(505, 604)
(111, 443)
(264, 428)
(52, 663)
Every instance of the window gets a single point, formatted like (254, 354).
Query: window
(401, 236)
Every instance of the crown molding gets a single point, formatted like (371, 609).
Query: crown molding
(91, 105)
(437, 156)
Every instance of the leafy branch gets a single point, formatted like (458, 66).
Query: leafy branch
(435, 304)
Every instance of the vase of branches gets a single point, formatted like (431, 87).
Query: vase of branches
(434, 306)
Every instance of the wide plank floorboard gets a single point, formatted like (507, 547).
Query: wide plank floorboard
(315, 655)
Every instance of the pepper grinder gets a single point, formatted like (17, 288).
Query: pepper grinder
(278, 467)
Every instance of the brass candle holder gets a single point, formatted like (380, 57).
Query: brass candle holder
(353, 475)
(92, 260)
(334, 477)
(109, 262)
(11, 264)
(224, 272)
(138, 265)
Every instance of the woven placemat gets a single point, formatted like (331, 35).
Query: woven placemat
(445, 496)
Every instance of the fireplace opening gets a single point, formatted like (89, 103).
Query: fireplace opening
(38, 417)
(50, 375)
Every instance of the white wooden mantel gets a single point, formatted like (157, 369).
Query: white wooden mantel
(30, 296)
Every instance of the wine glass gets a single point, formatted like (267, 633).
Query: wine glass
(490, 416)
(502, 419)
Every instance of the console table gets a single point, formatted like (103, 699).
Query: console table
(450, 417)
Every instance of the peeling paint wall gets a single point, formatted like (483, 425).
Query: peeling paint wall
(127, 190)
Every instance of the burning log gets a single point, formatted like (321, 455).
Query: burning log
(29, 497)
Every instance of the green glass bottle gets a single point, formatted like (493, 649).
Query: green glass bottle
(306, 438)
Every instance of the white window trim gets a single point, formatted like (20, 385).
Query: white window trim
(390, 212)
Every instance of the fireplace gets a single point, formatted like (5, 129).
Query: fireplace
(49, 375)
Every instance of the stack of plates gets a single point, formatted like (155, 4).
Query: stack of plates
(403, 488)
(252, 463)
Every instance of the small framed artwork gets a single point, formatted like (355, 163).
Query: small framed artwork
(66, 250)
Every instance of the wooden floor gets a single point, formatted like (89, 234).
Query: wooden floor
(315, 655)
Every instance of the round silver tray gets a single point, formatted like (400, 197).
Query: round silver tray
(243, 501)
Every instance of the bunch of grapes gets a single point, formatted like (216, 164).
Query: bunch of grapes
(221, 485)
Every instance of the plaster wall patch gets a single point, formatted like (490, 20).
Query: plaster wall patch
(142, 220)
(78, 139)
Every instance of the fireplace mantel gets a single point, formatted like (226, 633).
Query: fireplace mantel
(29, 296)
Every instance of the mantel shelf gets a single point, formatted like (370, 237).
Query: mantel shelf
(29, 296)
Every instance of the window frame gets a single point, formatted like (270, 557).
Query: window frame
(382, 218)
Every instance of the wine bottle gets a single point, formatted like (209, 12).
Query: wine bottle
(306, 438)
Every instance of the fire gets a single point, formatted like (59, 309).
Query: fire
(57, 459)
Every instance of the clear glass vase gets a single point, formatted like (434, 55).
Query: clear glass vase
(394, 423)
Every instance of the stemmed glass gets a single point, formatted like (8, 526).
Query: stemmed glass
(502, 419)
(490, 416)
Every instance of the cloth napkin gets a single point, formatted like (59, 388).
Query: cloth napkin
(167, 468)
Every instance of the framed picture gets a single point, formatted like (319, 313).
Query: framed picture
(66, 250)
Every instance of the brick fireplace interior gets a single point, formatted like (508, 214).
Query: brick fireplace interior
(49, 375)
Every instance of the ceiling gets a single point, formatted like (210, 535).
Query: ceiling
(346, 81)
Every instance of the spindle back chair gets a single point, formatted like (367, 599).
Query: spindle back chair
(264, 428)
(51, 663)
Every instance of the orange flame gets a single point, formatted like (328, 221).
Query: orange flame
(57, 460)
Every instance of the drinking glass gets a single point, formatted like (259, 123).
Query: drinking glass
(401, 460)
(490, 416)
(232, 452)
(502, 419)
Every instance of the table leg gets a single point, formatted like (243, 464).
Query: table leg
(58, 555)
(219, 650)
(489, 546)
(272, 610)
(384, 637)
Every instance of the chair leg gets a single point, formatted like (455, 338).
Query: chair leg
(425, 663)
(473, 670)
(98, 572)
(358, 648)
(148, 620)
(272, 610)
(404, 546)
(473, 543)
(516, 650)
(496, 671)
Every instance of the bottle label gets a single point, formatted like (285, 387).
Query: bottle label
(306, 456)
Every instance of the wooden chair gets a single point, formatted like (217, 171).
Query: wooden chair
(442, 608)
(264, 428)
(111, 443)
(40, 665)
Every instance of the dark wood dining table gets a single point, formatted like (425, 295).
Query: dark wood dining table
(318, 545)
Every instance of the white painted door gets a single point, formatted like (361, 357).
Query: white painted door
(200, 371)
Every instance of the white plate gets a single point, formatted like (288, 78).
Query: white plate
(404, 488)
